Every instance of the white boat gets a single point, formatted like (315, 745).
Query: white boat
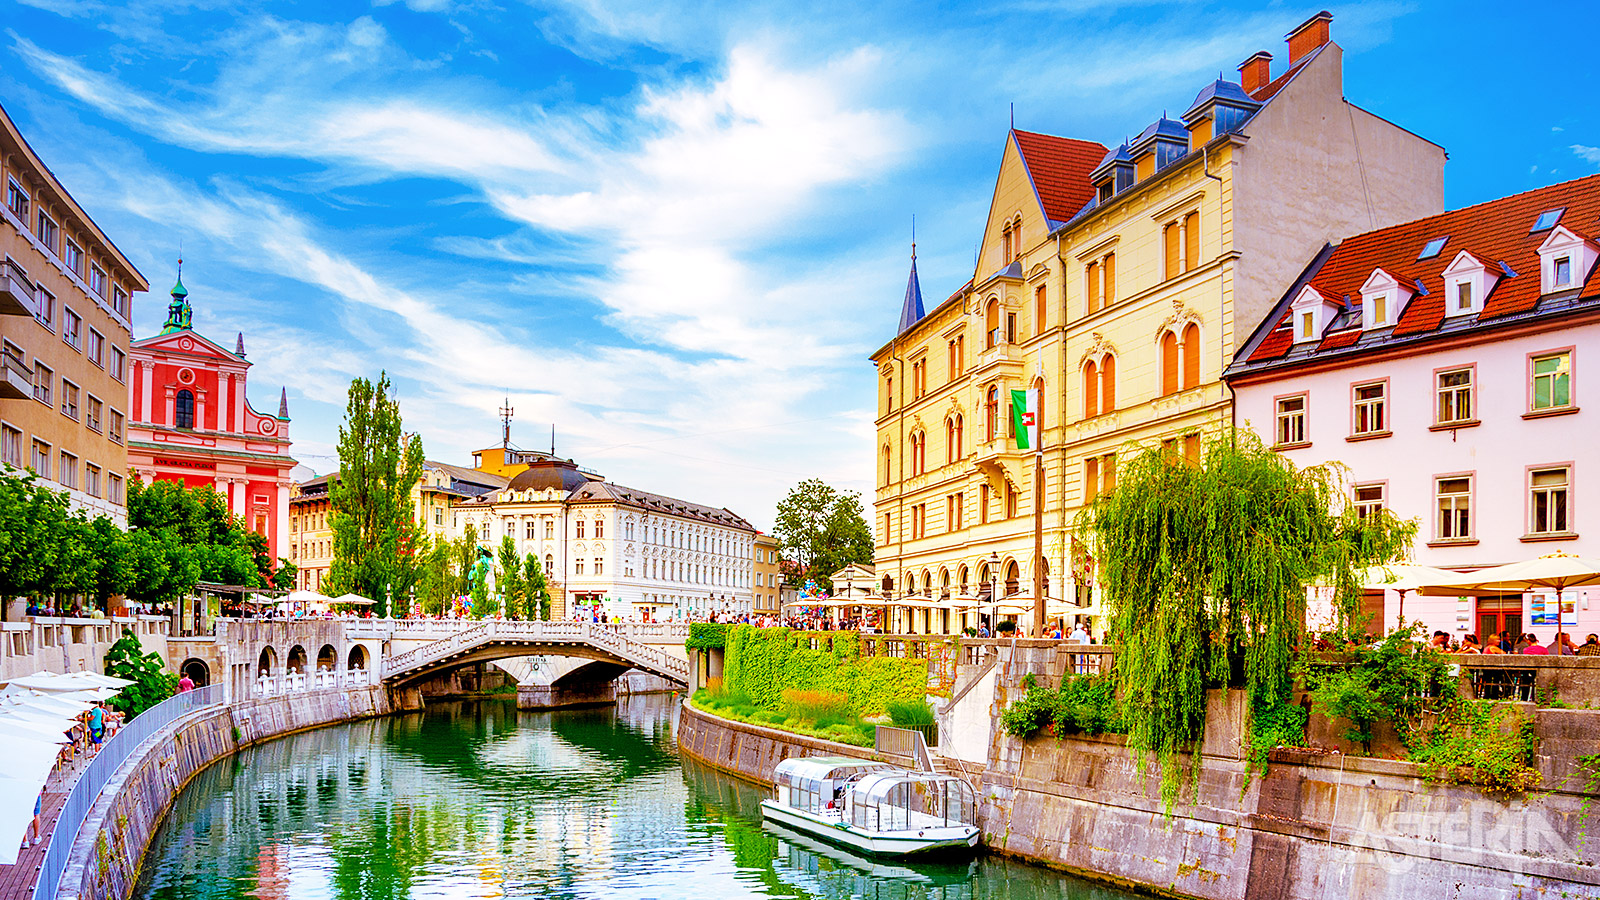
(873, 807)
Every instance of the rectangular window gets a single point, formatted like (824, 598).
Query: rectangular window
(578, 529)
(1369, 412)
(1011, 502)
(92, 414)
(114, 488)
(1291, 420)
(116, 426)
(73, 257)
(97, 279)
(1039, 310)
(119, 364)
(119, 300)
(950, 361)
(1011, 328)
(983, 504)
(1548, 500)
(527, 529)
(1369, 499)
(43, 381)
(17, 200)
(577, 566)
(1552, 381)
(96, 350)
(1454, 495)
(91, 480)
(47, 308)
(69, 399)
(1170, 237)
(599, 529)
(10, 446)
(1108, 269)
(1191, 241)
(1563, 272)
(1464, 295)
(41, 458)
(438, 519)
(72, 328)
(68, 476)
(1091, 286)
(1191, 448)
(599, 567)
(1455, 396)
(49, 234)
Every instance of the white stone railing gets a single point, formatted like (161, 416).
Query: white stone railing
(306, 682)
(651, 632)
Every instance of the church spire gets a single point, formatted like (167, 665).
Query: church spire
(179, 314)
(911, 312)
(283, 404)
(238, 347)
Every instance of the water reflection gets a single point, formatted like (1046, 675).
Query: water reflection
(479, 800)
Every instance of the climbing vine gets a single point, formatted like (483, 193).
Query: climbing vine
(764, 662)
(1205, 568)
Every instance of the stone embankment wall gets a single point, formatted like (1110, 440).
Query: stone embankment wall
(1316, 826)
(105, 860)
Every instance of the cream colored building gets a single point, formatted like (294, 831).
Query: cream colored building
(66, 320)
(766, 586)
(1119, 282)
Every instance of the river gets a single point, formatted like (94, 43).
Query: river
(476, 799)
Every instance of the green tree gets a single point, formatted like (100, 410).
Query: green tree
(219, 546)
(822, 530)
(1205, 569)
(31, 521)
(533, 584)
(436, 581)
(375, 531)
(283, 576)
(465, 553)
(512, 589)
(483, 602)
(152, 683)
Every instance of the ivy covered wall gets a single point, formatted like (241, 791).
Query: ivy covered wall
(764, 662)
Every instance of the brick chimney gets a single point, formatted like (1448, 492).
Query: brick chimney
(1256, 72)
(1311, 34)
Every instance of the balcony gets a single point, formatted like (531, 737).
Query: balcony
(16, 379)
(16, 292)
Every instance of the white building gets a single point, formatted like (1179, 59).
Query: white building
(631, 552)
(1442, 361)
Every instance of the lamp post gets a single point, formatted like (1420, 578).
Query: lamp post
(994, 592)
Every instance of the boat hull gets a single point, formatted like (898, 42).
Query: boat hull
(929, 842)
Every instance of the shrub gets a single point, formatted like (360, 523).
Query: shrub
(909, 713)
(1005, 626)
(1084, 704)
(764, 662)
(707, 636)
(819, 707)
(1481, 742)
(1394, 682)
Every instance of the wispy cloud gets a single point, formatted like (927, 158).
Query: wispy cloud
(1587, 153)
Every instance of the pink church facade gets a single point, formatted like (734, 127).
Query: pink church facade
(1445, 363)
(191, 422)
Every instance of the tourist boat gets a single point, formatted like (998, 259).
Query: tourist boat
(873, 807)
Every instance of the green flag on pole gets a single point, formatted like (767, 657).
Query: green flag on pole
(1025, 419)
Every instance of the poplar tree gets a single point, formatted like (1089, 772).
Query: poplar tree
(510, 581)
(375, 530)
(535, 588)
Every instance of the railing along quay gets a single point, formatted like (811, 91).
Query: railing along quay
(113, 753)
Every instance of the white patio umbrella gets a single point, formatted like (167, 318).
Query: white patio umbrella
(1403, 577)
(75, 681)
(354, 600)
(1557, 572)
(27, 768)
(302, 597)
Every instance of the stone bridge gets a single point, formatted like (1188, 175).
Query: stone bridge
(611, 650)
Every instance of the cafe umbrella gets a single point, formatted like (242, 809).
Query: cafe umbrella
(1555, 572)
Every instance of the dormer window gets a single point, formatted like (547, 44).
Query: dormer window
(1383, 299)
(1565, 259)
(1467, 283)
(1311, 314)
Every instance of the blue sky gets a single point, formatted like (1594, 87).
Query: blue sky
(673, 229)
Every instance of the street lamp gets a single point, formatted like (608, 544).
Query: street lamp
(994, 591)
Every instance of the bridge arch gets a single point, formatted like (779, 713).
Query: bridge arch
(357, 658)
(327, 659)
(268, 661)
(297, 660)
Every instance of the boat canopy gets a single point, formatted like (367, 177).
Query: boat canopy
(809, 772)
(899, 800)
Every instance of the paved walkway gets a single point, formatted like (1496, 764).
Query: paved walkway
(16, 881)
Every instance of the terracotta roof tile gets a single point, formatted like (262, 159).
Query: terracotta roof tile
(1494, 232)
(1060, 170)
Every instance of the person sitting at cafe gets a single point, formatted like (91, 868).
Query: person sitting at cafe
(1530, 646)
(1469, 644)
(1493, 643)
(1590, 647)
(1560, 645)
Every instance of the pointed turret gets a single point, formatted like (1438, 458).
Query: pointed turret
(178, 312)
(238, 347)
(911, 313)
(283, 404)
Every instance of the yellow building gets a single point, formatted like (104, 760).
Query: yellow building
(767, 581)
(1112, 279)
(66, 317)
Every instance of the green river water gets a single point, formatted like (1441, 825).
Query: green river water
(475, 799)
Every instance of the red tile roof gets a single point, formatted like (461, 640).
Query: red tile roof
(1265, 92)
(1493, 232)
(1060, 170)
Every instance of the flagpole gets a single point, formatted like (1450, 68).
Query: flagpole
(1038, 537)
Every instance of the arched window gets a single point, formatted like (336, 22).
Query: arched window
(952, 438)
(991, 324)
(1091, 390)
(1005, 245)
(1108, 383)
(183, 410)
(887, 464)
(1191, 356)
(919, 459)
(1169, 363)
(960, 439)
(991, 413)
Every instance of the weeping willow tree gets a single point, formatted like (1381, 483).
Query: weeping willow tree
(1204, 570)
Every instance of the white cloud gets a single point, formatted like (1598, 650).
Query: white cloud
(1586, 153)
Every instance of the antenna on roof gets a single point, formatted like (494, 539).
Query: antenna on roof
(552, 439)
(505, 424)
(913, 235)
(1013, 117)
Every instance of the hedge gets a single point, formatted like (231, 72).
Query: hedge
(764, 662)
(707, 636)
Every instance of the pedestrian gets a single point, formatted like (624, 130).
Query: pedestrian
(185, 684)
(97, 725)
